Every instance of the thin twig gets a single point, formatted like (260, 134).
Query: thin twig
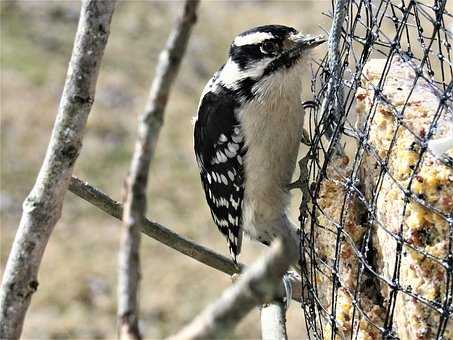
(273, 321)
(260, 284)
(42, 207)
(166, 236)
(150, 123)
(333, 100)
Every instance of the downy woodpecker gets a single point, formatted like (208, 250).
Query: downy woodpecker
(247, 134)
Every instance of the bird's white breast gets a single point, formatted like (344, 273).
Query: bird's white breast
(272, 125)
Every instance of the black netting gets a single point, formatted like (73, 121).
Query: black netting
(376, 246)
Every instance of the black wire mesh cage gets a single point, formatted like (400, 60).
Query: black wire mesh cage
(377, 240)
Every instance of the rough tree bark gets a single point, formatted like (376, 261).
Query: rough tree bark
(150, 123)
(42, 207)
(259, 284)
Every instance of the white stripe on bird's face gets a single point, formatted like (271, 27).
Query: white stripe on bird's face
(252, 38)
(232, 74)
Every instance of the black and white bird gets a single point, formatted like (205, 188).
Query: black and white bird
(247, 133)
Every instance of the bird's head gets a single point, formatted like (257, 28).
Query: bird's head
(263, 56)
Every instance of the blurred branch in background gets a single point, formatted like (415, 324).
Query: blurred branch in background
(259, 284)
(8, 5)
(150, 123)
(167, 236)
(42, 207)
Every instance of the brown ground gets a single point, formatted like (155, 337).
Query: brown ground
(77, 292)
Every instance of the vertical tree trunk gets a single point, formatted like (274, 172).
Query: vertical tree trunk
(150, 123)
(42, 207)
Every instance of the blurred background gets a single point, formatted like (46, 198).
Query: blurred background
(76, 297)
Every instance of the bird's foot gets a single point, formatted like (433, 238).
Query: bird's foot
(306, 138)
(294, 185)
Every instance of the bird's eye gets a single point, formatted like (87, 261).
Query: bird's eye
(269, 47)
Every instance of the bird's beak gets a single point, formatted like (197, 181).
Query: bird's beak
(294, 47)
(305, 42)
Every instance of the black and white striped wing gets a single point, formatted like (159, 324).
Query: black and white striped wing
(219, 149)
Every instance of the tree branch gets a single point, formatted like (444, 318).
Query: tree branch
(42, 207)
(150, 123)
(261, 283)
(168, 237)
(155, 230)
(273, 321)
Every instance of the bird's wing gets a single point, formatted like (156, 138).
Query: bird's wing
(219, 148)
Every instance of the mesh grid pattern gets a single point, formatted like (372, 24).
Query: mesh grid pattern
(377, 240)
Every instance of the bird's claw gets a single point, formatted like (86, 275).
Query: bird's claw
(294, 185)
(310, 104)
(305, 138)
